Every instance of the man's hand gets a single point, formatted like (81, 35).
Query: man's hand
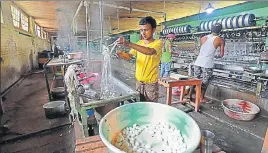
(122, 41)
(123, 55)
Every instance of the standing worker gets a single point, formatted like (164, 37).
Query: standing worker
(166, 59)
(147, 52)
(204, 63)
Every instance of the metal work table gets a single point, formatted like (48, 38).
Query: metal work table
(54, 62)
(80, 103)
(61, 62)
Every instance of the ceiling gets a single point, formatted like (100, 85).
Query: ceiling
(54, 15)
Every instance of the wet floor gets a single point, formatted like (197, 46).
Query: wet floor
(34, 133)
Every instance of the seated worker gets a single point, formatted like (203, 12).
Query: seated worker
(204, 63)
(166, 58)
(147, 52)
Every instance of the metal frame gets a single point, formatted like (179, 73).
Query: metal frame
(82, 107)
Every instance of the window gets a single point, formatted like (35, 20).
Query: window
(37, 30)
(15, 16)
(24, 22)
(44, 34)
(2, 20)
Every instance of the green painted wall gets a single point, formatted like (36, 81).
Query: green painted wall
(260, 9)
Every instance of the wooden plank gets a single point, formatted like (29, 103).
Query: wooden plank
(88, 140)
(265, 143)
(94, 144)
(78, 131)
(169, 96)
(176, 83)
(198, 97)
(185, 83)
(91, 144)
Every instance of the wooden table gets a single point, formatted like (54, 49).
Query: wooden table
(169, 82)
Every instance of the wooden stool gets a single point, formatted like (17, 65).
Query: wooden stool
(169, 82)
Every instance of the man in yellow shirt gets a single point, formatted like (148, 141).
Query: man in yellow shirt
(147, 52)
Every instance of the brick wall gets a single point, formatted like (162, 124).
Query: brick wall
(18, 51)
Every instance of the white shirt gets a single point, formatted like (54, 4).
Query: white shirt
(207, 51)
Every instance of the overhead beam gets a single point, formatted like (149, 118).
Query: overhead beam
(127, 8)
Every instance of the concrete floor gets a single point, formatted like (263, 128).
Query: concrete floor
(231, 135)
(25, 115)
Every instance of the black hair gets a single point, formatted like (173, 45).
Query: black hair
(148, 20)
(216, 28)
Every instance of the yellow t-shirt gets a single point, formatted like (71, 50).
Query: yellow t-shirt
(147, 66)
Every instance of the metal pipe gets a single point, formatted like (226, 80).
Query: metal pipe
(110, 27)
(46, 78)
(118, 23)
(101, 24)
(126, 8)
(86, 5)
(237, 29)
(76, 13)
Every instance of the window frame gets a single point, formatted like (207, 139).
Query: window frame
(2, 19)
(27, 21)
(36, 30)
(19, 17)
(45, 34)
(15, 13)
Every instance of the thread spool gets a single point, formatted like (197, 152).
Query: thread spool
(224, 24)
(209, 25)
(201, 26)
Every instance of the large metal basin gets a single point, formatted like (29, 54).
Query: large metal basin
(144, 113)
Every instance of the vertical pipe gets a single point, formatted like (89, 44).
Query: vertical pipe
(110, 29)
(118, 21)
(86, 5)
(164, 16)
(89, 25)
(101, 24)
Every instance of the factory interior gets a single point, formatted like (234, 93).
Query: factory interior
(120, 76)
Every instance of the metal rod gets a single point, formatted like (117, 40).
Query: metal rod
(126, 8)
(110, 27)
(76, 13)
(101, 24)
(46, 78)
(86, 5)
(237, 29)
(118, 23)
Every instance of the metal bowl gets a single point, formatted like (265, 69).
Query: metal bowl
(54, 109)
(240, 109)
(143, 113)
(58, 92)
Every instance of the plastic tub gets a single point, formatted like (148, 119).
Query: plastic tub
(143, 113)
(240, 109)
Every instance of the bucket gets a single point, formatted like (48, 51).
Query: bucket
(54, 109)
(206, 143)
